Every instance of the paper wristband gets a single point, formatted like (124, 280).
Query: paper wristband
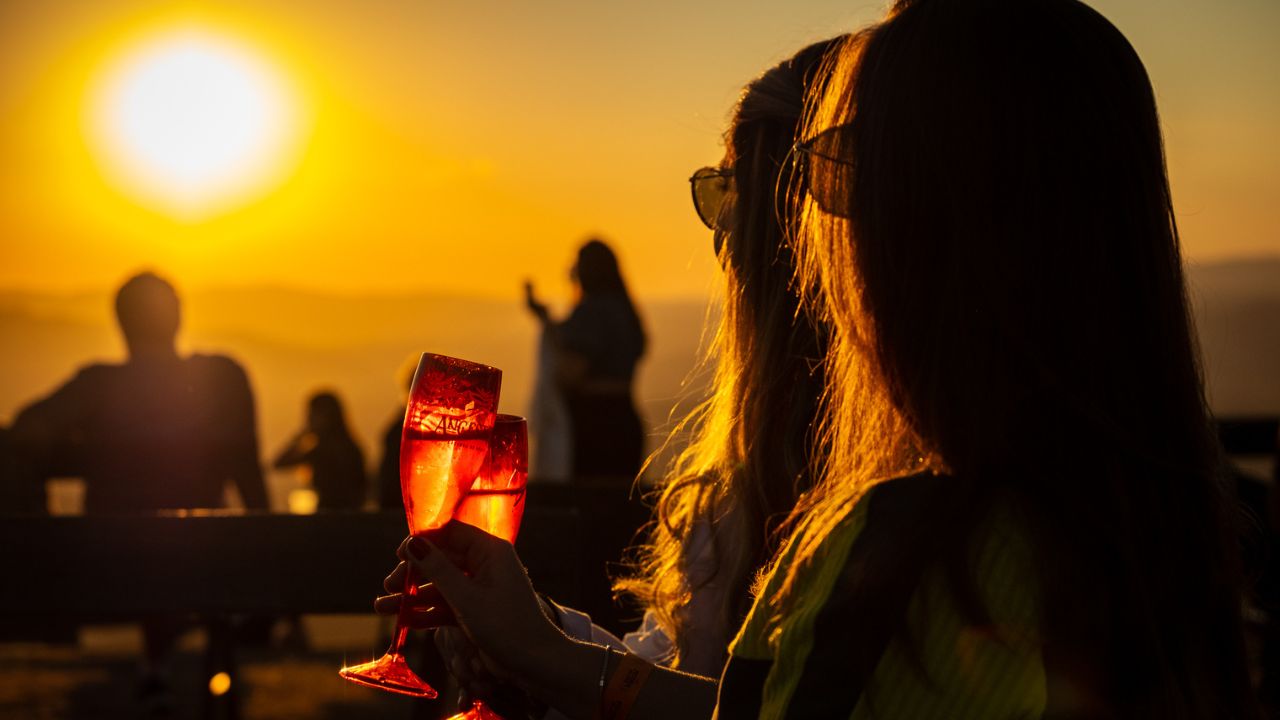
(624, 687)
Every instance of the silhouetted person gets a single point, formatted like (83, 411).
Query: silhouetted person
(594, 352)
(326, 446)
(597, 348)
(21, 486)
(387, 476)
(1261, 544)
(158, 431)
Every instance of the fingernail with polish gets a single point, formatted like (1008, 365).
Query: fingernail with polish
(418, 548)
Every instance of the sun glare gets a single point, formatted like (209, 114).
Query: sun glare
(194, 123)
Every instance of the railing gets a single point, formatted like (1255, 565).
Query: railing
(61, 572)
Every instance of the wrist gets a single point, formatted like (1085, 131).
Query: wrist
(537, 656)
(565, 674)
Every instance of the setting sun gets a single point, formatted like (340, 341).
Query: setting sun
(193, 123)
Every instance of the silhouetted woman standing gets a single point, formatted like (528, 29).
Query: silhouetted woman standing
(597, 348)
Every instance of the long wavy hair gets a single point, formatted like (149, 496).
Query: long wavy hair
(749, 455)
(1008, 310)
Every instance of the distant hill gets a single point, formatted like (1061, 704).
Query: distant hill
(293, 342)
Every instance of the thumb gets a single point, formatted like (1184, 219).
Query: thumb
(432, 565)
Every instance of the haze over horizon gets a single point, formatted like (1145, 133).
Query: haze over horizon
(294, 342)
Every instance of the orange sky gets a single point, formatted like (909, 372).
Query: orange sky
(461, 146)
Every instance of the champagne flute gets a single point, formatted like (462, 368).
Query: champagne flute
(495, 503)
(447, 427)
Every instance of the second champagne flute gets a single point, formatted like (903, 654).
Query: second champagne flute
(495, 503)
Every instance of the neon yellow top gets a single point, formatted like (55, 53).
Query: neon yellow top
(958, 671)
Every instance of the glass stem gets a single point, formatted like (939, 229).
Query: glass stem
(406, 607)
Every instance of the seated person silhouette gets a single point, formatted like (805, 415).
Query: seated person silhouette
(158, 431)
(325, 447)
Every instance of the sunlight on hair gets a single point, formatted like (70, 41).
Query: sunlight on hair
(193, 123)
(871, 438)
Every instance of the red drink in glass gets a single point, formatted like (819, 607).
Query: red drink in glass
(433, 474)
(495, 502)
(496, 512)
(447, 426)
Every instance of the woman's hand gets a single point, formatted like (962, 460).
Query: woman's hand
(427, 609)
(476, 580)
(485, 589)
(295, 451)
(531, 301)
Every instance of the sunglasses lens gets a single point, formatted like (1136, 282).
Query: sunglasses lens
(828, 171)
(710, 190)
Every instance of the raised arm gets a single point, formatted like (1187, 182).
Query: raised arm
(295, 452)
(536, 307)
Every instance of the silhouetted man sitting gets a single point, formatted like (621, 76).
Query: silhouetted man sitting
(158, 431)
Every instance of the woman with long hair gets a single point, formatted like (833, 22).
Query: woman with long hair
(596, 349)
(1020, 513)
(594, 353)
(750, 456)
(330, 454)
(749, 453)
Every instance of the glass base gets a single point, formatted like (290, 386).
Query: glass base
(478, 711)
(391, 673)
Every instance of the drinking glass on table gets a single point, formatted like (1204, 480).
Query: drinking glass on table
(495, 503)
(448, 424)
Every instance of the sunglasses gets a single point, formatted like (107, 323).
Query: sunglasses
(825, 169)
(712, 187)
